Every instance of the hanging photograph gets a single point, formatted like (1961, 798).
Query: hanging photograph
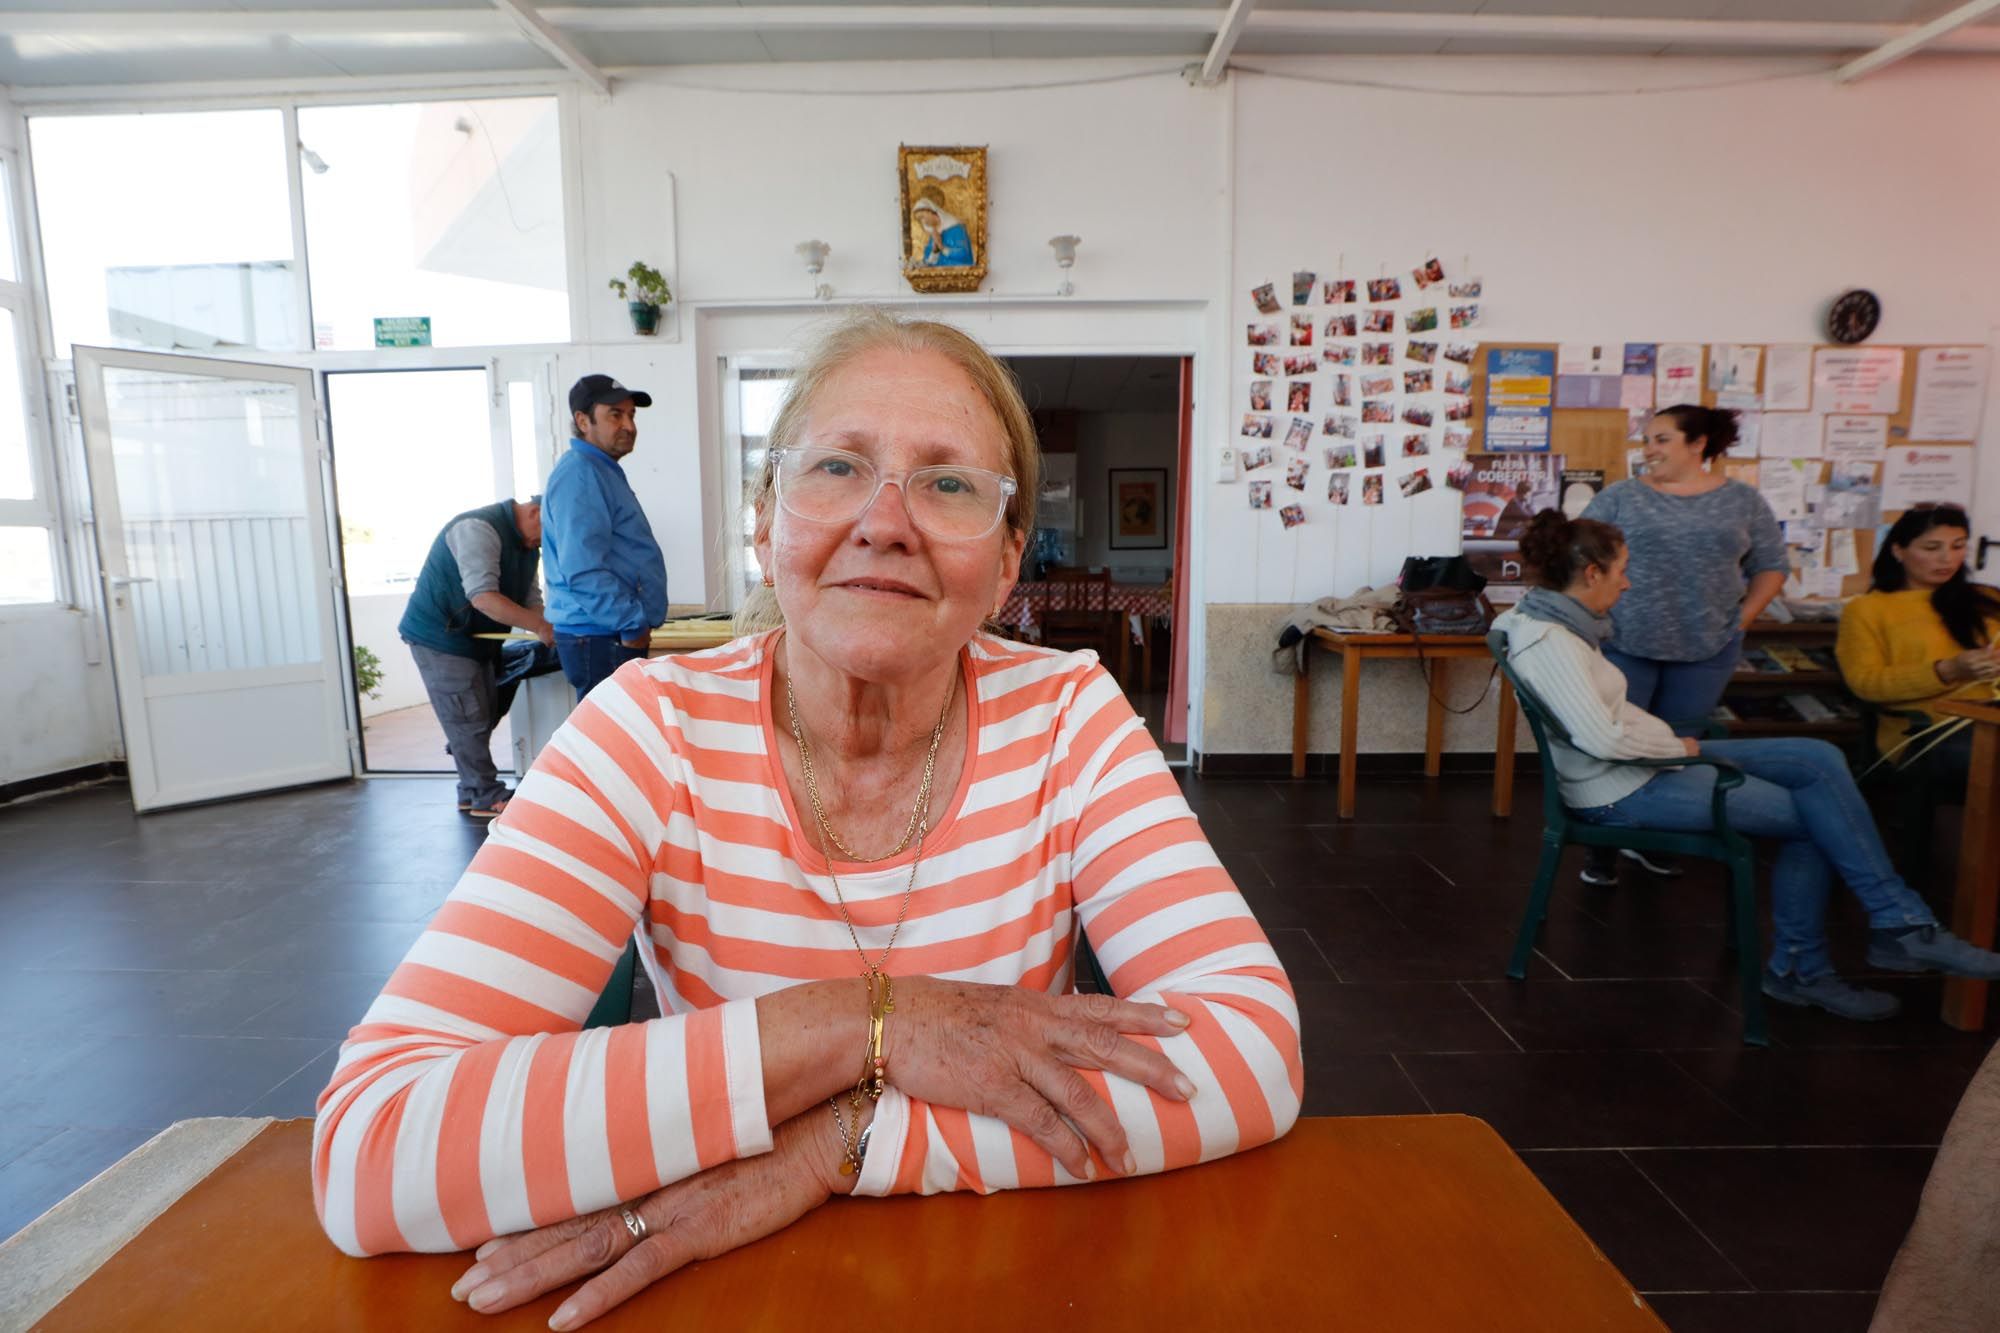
(1138, 508)
(1340, 291)
(1266, 298)
(1429, 272)
(1384, 289)
(1302, 287)
(1293, 515)
(944, 217)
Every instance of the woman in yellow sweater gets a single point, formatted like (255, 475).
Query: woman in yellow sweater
(1923, 633)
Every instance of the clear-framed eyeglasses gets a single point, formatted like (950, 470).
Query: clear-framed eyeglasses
(950, 503)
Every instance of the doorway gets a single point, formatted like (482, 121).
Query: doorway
(1113, 434)
(411, 448)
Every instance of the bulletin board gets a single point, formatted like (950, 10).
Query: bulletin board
(1596, 437)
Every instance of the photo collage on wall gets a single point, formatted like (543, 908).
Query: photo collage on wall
(1349, 382)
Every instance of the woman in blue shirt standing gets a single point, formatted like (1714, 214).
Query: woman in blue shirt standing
(1707, 556)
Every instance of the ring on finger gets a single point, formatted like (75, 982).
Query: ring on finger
(633, 1223)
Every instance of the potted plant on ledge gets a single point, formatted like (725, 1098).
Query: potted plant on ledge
(644, 291)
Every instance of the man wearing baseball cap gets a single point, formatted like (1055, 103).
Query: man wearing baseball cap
(607, 581)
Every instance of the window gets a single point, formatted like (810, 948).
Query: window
(167, 231)
(752, 395)
(27, 568)
(447, 210)
(28, 554)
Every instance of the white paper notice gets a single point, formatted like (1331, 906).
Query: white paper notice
(1749, 435)
(1790, 435)
(1856, 439)
(1841, 555)
(1679, 372)
(1636, 397)
(1783, 486)
(1733, 369)
(1912, 475)
(1590, 358)
(1951, 393)
(1788, 379)
(1858, 379)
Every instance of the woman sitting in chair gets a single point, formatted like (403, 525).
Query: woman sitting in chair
(1798, 791)
(856, 847)
(1921, 634)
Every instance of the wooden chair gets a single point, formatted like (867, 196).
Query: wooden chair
(1720, 843)
(1076, 613)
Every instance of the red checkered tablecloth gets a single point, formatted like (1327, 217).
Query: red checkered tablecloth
(1139, 601)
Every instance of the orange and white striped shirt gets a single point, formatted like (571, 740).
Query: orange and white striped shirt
(467, 1104)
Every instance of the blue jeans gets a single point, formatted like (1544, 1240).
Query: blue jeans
(1682, 693)
(1799, 791)
(588, 658)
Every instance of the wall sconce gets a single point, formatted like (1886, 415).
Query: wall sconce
(815, 253)
(1065, 248)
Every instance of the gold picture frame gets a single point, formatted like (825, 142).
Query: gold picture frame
(943, 217)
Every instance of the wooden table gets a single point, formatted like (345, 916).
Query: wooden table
(1973, 901)
(1354, 649)
(1405, 1223)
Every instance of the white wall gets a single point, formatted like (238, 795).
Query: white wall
(1726, 215)
(374, 618)
(1107, 440)
(60, 713)
(1134, 168)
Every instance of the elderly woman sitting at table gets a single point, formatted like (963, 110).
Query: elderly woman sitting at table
(857, 845)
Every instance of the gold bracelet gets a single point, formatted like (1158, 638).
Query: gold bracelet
(850, 1147)
(881, 1003)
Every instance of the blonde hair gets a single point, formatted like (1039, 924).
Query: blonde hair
(869, 329)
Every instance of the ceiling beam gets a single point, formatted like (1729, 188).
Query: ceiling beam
(560, 23)
(1225, 41)
(539, 31)
(1912, 42)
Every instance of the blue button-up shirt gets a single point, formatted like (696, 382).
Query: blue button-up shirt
(602, 567)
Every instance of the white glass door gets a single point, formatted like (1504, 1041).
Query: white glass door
(206, 480)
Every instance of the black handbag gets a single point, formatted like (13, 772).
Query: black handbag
(1443, 596)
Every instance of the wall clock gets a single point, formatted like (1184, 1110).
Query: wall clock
(1853, 316)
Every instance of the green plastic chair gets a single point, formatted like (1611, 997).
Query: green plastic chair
(1560, 829)
(614, 1006)
(1088, 968)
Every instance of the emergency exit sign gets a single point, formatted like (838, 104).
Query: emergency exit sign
(403, 331)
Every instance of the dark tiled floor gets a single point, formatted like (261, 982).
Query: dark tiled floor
(207, 962)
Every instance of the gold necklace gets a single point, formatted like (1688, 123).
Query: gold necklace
(919, 816)
(923, 801)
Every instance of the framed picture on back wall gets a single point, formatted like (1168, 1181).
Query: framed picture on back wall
(1138, 508)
